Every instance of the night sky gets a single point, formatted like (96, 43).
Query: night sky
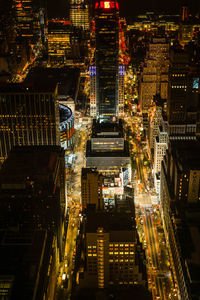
(130, 8)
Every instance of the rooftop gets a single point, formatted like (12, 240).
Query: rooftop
(111, 222)
(66, 78)
(116, 293)
(120, 153)
(120, 219)
(187, 154)
(107, 129)
(19, 88)
(86, 171)
(29, 161)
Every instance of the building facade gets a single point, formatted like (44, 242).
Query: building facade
(179, 205)
(33, 224)
(93, 104)
(91, 188)
(121, 90)
(58, 41)
(107, 55)
(66, 127)
(184, 90)
(154, 78)
(24, 18)
(79, 14)
(93, 91)
(113, 253)
(28, 117)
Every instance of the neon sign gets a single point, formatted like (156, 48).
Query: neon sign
(107, 4)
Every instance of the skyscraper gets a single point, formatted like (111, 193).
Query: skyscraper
(154, 77)
(182, 102)
(24, 18)
(79, 14)
(33, 223)
(107, 52)
(179, 206)
(28, 116)
(58, 41)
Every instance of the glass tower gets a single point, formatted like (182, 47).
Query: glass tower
(107, 52)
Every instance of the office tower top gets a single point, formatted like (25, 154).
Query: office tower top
(79, 14)
(183, 96)
(107, 52)
(24, 18)
(29, 115)
(58, 41)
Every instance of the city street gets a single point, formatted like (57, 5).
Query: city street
(66, 273)
(149, 223)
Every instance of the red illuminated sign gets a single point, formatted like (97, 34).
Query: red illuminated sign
(107, 4)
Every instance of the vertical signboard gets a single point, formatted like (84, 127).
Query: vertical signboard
(193, 191)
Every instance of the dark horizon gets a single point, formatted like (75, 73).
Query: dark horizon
(131, 9)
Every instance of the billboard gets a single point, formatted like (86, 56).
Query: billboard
(193, 191)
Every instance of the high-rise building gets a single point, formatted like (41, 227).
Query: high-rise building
(184, 90)
(79, 14)
(178, 86)
(107, 55)
(30, 21)
(107, 150)
(180, 206)
(32, 209)
(155, 119)
(154, 79)
(28, 117)
(121, 89)
(58, 41)
(24, 18)
(93, 91)
(161, 144)
(91, 188)
(93, 104)
(157, 137)
(113, 253)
